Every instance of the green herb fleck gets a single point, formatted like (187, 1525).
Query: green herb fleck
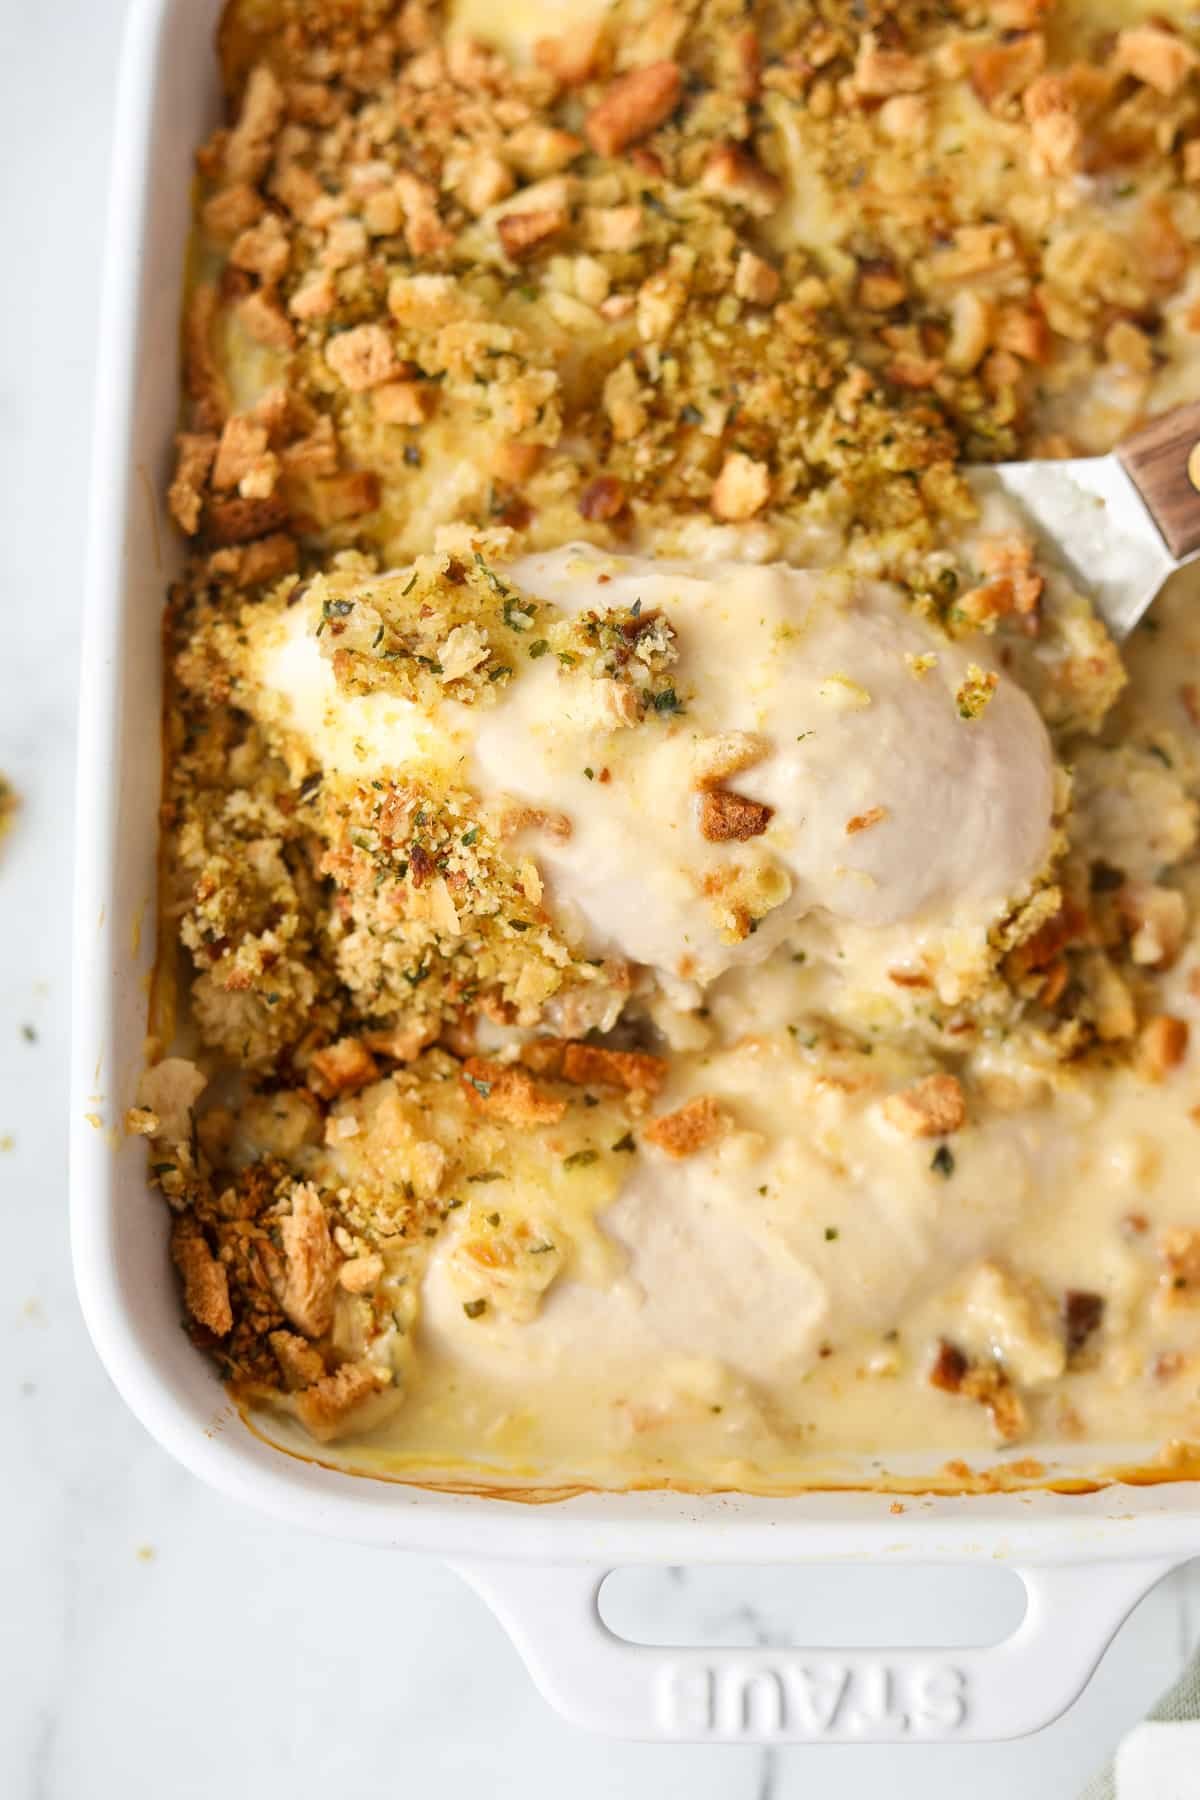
(943, 1161)
(581, 1159)
(490, 576)
(474, 1308)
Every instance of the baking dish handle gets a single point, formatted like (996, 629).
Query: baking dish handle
(786, 1695)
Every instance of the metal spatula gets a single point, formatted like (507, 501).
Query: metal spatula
(1119, 524)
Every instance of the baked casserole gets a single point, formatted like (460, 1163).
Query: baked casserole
(678, 921)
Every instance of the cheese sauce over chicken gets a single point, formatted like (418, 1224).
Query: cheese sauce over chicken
(684, 920)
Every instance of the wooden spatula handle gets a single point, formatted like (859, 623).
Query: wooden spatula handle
(1163, 462)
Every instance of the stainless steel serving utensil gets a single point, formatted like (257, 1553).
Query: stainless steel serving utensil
(1120, 524)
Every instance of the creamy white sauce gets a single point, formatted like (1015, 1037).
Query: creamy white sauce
(818, 666)
(762, 1250)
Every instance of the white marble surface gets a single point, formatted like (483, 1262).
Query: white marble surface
(154, 1640)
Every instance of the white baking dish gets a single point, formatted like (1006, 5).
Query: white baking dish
(1085, 1559)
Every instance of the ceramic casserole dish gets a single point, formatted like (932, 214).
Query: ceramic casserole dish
(1085, 1557)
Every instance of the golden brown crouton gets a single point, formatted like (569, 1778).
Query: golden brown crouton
(242, 450)
(575, 56)
(263, 319)
(732, 174)
(1017, 15)
(238, 520)
(1011, 1316)
(508, 1092)
(311, 1262)
(523, 233)
(613, 228)
(932, 1107)
(483, 180)
(514, 462)
(205, 384)
(904, 117)
(1156, 918)
(879, 287)
(603, 498)
(267, 559)
(248, 150)
(726, 754)
(755, 280)
(634, 1070)
(299, 1363)
(949, 1367)
(327, 1407)
(1156, 56)
(689, 1128)
(263, 249)
(1000, 71)
(341, 1068)
(1082, 1316)
(879, 72)
(725, 816)
(1055, 129)
(538, 150)
(316, 296)
(1179, 1251)
(231, 212)
(634, 105)
(362, 1274)
(1161, 1047)
(404, 402)
(970, 331)
(363, 358)
(314, 454)
(990, 1386)
(205, 1283)
(185, 497)
(742, 488)
(346, 496)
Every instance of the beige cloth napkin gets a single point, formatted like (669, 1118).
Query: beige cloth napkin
(1178, 1705)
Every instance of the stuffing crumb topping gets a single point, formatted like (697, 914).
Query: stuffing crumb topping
(715, 279)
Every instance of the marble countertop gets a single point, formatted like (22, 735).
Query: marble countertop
(166, 1642)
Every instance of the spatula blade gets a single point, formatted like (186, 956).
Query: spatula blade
(1095, 525)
